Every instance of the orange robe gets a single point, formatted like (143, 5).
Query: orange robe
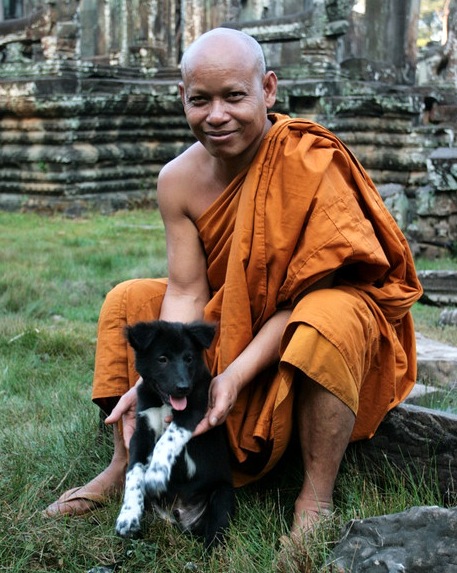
(304, 208)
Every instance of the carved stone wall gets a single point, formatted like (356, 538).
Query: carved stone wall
(89, 109)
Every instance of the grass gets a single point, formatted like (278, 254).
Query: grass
(54, 274)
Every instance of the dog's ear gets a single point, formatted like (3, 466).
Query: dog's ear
(141, 334)
(201, 332)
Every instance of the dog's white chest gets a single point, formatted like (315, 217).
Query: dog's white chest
(155, 418)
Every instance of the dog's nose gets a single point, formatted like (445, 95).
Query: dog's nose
(182, 388)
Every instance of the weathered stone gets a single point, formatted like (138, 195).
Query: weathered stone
(31, 28)
(436, 362)
(439, 286)
(396, 201)
(442, 168)
(448, 317)
(103, 60)
(420, 441)
(421, 539)
(430, 202)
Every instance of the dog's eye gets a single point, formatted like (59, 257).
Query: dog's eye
(162, 359)
(188, 359)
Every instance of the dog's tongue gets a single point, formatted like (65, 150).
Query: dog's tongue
(178, 403)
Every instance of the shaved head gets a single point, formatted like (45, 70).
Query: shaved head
(224, 40)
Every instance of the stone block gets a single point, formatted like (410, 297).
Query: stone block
(397, 203)
(442, 168)
(436, 362)
(418, 539)
(439, 286)
(418, 441)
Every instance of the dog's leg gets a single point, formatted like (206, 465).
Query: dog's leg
(221, 508)
(128, 522)
(166, 451)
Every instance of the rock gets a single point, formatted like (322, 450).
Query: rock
(442, 168)
(448, 317)
(421, 539)
(397, 203)
(418, 440)
(440, 287)
(436, 362)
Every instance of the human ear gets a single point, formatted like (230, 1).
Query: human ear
(182, 92)
(270, 84)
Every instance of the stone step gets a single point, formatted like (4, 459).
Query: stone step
(436, 362)
(440, 287)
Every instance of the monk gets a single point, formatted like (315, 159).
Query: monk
(275, 232)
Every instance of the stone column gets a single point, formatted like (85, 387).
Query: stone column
(450, 49)
(391, 35)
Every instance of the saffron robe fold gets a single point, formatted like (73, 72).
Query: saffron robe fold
(304, 208)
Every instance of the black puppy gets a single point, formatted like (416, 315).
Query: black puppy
(188, 481)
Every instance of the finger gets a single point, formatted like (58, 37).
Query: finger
(113, 417)
(117, 412)
(126, 402)
(202, 427)
(128, 433)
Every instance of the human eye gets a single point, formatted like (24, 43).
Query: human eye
(235, 96)
(197, 100)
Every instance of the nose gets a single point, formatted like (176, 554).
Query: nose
(182, 384)
(182, 387)
(217, 112)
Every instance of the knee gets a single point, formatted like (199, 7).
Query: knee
(115, 299)
(134, 299)
(118, 292)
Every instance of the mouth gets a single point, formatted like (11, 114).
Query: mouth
(178, 403)
(219, 135)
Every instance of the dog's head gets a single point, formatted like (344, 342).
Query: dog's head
(169, 356)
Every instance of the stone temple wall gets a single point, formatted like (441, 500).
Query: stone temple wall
(89, 107)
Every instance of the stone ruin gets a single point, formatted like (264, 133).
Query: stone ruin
(89, 107)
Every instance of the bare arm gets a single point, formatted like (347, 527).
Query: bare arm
(187, 292)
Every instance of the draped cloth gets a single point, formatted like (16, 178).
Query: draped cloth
(306, 208)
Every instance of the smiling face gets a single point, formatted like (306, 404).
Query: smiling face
(226, 93)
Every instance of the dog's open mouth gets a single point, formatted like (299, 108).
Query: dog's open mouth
(178, 403)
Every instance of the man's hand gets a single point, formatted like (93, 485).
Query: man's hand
(126, 409)
(259, 354)
(222, 397)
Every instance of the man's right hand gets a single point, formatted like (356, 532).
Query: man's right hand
(126, 409)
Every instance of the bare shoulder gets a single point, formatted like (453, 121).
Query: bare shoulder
(184, 183)
(183, 167)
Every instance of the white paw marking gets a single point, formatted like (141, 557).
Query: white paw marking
(191, 467)
(128, 522)
(165, 453)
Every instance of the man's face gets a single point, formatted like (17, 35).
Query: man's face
(225, 101)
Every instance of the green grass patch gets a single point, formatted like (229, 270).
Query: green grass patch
(54, 275)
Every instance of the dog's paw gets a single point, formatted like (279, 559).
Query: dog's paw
(128, 523)
(156, 479)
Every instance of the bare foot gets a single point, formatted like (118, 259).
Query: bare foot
(308, 514)
(97, 492)
(293, 555)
